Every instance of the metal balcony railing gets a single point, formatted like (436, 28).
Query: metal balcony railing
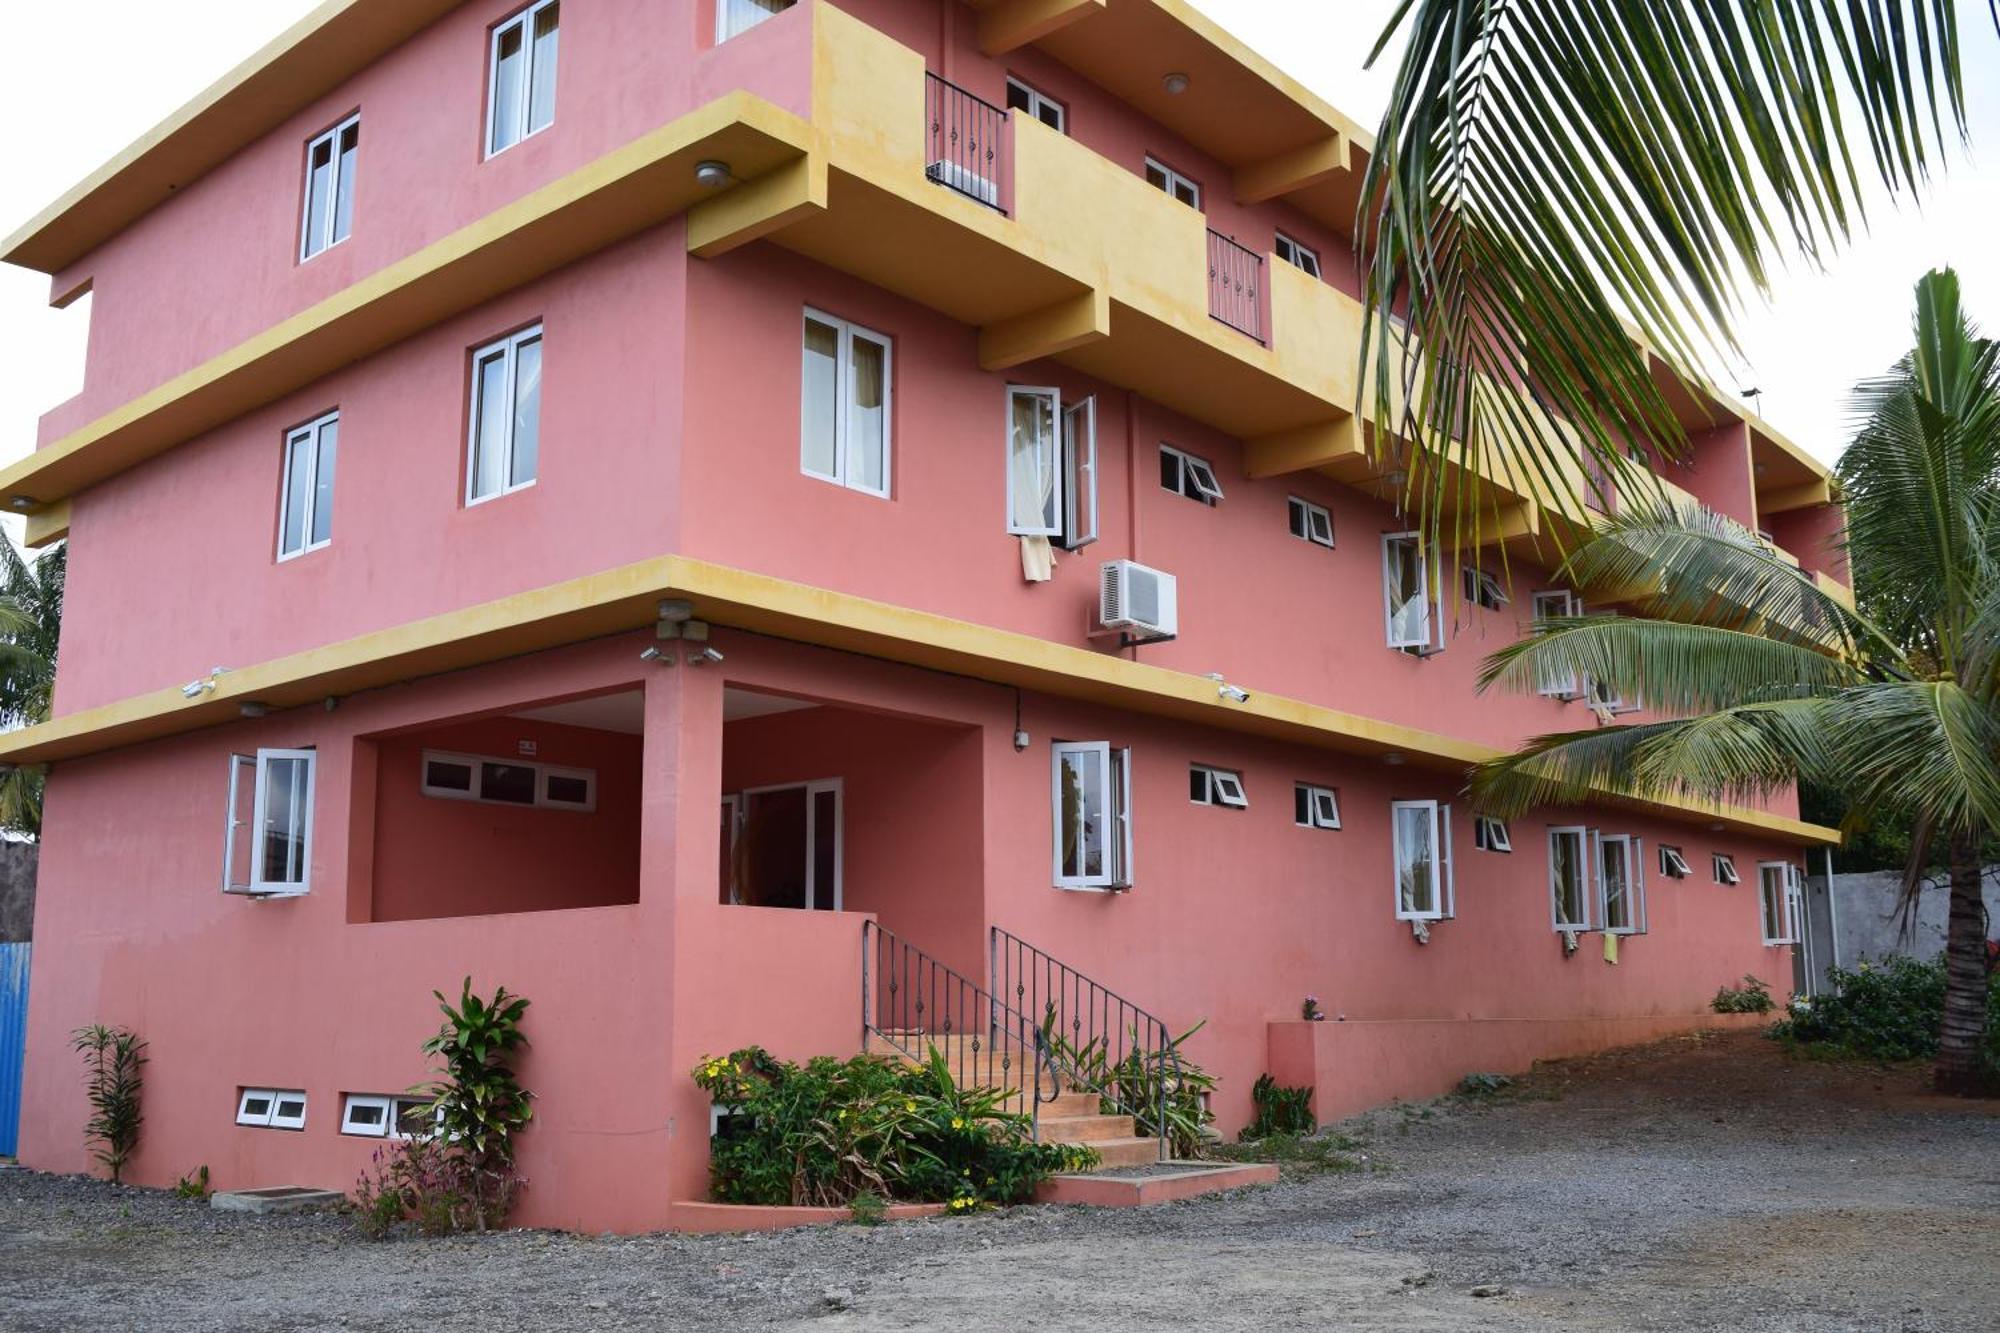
(966, 144)
(1235, 285)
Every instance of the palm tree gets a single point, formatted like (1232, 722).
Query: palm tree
(31, 597)
(1558, 186)
(1767, 680)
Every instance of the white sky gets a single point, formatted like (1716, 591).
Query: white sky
(65, 116)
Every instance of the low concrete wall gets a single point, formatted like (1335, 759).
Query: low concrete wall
(17, 891)
(1357, 1065)
(1864, 922)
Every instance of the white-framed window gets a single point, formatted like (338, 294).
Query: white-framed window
(1091, 797)
(1315, 807)
(736, 17)
(1216, 786)
(1406, 594)
(496, 781)
(1079, 472)
(1557, 604)
(1035, 505)
(1779, 900)
(1421, 837)
(414, 1117)
(1185, 474)
(1569, 878)
(367, 1115)
(1605, 699)
(1482, 589)
(504, 448)
(1310, 522)
(305, 498)
(1672, 863)
(271, 1108)
(267, 848)
(1163, 177)
(1621, 884)
(1491, 835)
(331, 163)
(1722, 867)
(521, 89)
(844, 412)
(1037, 104)
(1298, 256)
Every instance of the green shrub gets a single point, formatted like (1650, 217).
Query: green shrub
(1752, 997)
(113, 1059)
(1884, 1011)
(193, 1185)
(1167, 1096)
(1484, 1085)
(830, 1132)
(1280, 1110)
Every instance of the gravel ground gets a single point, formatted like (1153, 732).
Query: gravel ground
(1695, 1184)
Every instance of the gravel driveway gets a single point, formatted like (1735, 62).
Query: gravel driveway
(1695, 1184)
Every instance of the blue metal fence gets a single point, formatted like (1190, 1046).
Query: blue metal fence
(13, 1039)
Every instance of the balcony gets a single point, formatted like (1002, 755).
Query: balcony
(1235, 279)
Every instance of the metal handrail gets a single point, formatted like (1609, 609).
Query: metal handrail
(1235, 279)
(966, 142)
(1094, 1022)
(918, 1005)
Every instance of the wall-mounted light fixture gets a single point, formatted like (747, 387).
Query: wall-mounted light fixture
(711, 174)
(1175, 83)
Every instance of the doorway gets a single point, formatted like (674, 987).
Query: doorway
(784, 846)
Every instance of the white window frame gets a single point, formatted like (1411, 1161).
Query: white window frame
(813, 791)
(1219, 786)
(1425, 645)
(1037, 100)
(1490, 834)
(1194, 476)
(1322, 806)
(1584, 894)
(723, 28)
(844, 434)
(353, 1101)
(1673, 862)
(255, 885)
(270, 1118)
(1053, 461)
(1560, 604)
(316, 431)
(337, 180)
(1631, 851)
(1309, 522)
(509, 349)
(279, 1120)
(1171, 179)
(1115, 796)
(1299, 256)
(1722, 867)
(1078, 429)
(1444, 904)
(524, 127)
(1482, 589)
(1788, 903)
(474, 792)
(401, 1104)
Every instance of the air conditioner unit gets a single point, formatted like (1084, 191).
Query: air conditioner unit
(1137, 601)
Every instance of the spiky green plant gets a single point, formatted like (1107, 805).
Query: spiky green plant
(114, 1060)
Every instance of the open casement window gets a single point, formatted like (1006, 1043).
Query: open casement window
(367, 1115)
(786, 848)
(1722, 867)
(1422, 844)
(267, 846)
(522, 97)
(1491, 835)
(845, 409)
(1310, 522)
(735, 17)
(1184, 474)
(1298, 256)
(1406, 595)
(271, 1108)
(331, 160)
(1079, 472)
(1621, 884)
(1315, 807)
(1780, 898)
(305, 515)
(505, 447)
(1482, 589)
(1557, 604)
(1034, 462)
(1091, 793)
(1672, 863)
(1216, 786)
(1569, 878)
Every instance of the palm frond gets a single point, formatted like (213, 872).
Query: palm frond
(1922, 749)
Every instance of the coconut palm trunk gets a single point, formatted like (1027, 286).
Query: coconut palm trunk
(1960, 1043)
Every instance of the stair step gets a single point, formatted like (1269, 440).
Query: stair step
(1085, 1128)
(1067, 1104)
(1126, 1152)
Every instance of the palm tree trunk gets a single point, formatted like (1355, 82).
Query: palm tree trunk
(1958, 1063)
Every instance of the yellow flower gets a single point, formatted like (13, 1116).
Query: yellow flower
(956, 1123)
(910, 1107)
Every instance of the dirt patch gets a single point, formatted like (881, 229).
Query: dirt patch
(1694, 1184)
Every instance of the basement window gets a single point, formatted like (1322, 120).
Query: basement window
(1672, 864)
(1491, 835)
(521, 98)
(1310, 522)
(1723, 867)
(1315, 807)
(381, 1115)
(1216, 786)
(1184, 474)
(1422, 840)
(269, 1108)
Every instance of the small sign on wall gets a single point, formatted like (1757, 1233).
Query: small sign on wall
(527, 748)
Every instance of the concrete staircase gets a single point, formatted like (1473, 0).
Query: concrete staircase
(1072, 1117)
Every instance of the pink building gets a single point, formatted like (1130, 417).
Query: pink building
(612, 499)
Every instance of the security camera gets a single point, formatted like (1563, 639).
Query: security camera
(653, 654)
(704, 656)
(1233, 693)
